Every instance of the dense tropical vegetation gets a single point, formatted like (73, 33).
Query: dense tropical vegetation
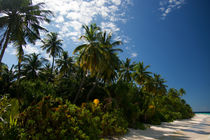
(90, 95)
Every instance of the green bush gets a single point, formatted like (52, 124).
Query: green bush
(8, 118)
(112, 124)
(52, 118)
(33, 91)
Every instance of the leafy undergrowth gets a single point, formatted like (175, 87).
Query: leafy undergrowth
(53, 118)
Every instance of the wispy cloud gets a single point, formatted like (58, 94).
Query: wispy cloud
(70, 15)
(167, 6)
(134, 55)
(31, 49)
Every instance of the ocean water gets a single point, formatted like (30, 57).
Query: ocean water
(205, 113)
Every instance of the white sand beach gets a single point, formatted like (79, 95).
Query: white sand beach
(197, 128)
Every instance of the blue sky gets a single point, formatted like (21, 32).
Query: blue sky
(170, 35)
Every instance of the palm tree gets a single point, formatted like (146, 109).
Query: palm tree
(90, 53)
(52, 45)
(65, 63)
(126, 70)
(45, 73)
(182, 92)
(173, 93)
(111, 61)
(159, 85)
(21, 22)
(141, 74)
(32, 65)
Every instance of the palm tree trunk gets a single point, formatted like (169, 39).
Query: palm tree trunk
(52, 65)
(2, 40)
(4, 47)
(19, 63)
(80, 87)
(21, 53)
(20, 56)
(91, 90)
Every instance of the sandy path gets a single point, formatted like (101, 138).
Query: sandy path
(197, 128)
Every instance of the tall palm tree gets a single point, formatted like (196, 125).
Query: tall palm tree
(159, 85)
(126, 70)
(21, 22)
(141, 74)
(111, 61)
(45, 72)
(111, 64)
(52, 44)
(32, 64)
(65, 63)
(90, 53)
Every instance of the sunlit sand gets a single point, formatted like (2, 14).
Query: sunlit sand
(197, 128)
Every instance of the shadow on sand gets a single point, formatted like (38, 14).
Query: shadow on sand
(171, 131)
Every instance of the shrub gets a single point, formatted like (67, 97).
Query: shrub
(52, 118)
(8, 118)
(111, 121)
(33, 91)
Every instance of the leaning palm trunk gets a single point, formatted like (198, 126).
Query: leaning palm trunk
(2, 40)
(80, 87)
(20, 56)
(91, 90)
(52, 65)
(5, 46)
(19, 63)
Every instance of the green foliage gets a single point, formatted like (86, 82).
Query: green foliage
(9, 132)
(55, 119)
(126, 97)
(4, 105)
(33, 91)
(9, 110)
(6, 79)
(52, 119)
(112, 122)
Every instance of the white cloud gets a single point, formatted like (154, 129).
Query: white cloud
(11, 50)
(47, 56)
(60, 19)
(117, 2)
(109, 27)
(31, 49)
(28, 49)
(167, 6)
(79, 12)
(134, 54)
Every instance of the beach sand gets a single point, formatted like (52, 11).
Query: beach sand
(197, 128)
